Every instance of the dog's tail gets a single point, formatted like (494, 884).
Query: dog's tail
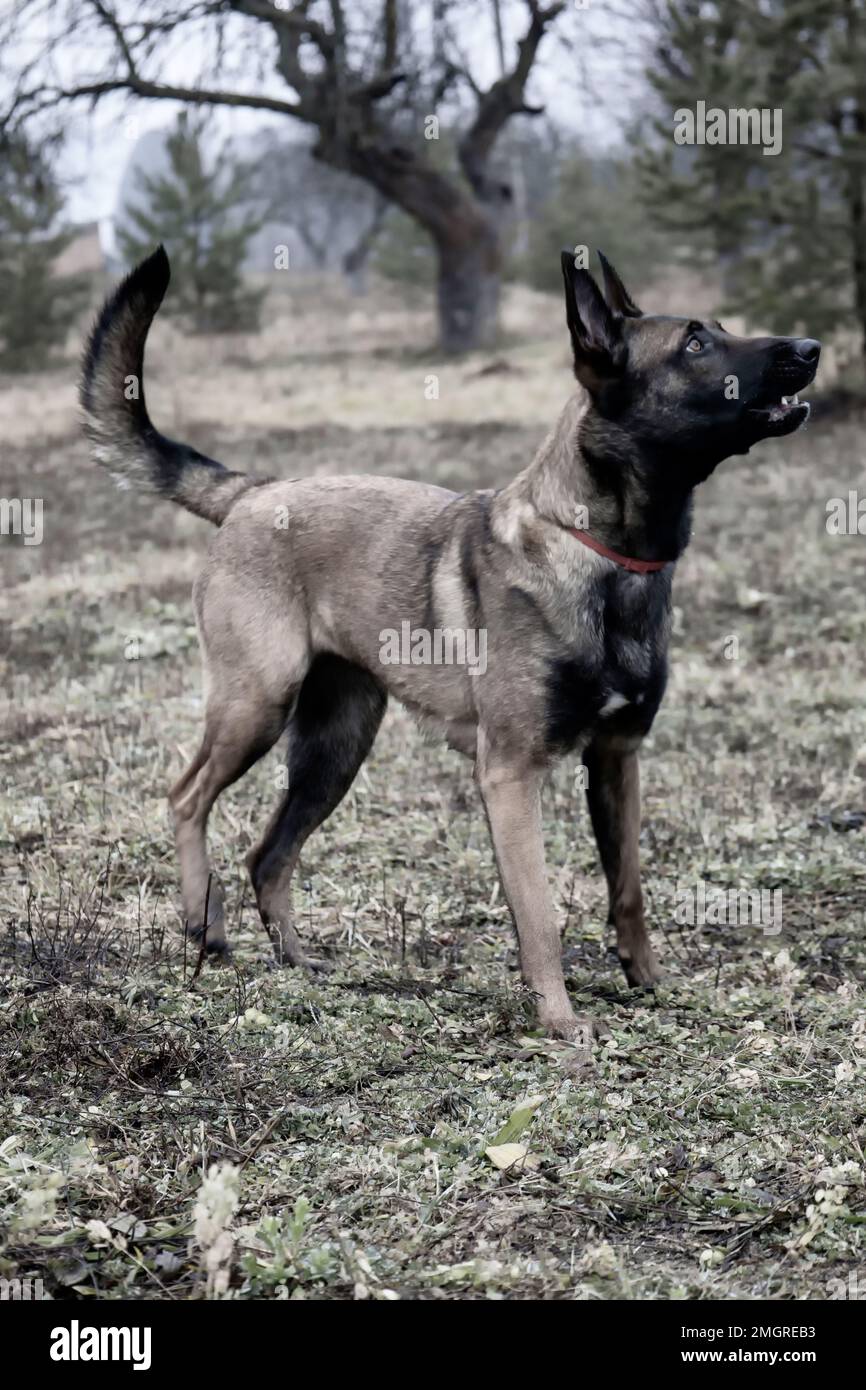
(116, 421)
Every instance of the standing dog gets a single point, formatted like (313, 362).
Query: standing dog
(567, 571)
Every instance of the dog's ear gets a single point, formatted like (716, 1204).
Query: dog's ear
(615, 292)
(596, 337)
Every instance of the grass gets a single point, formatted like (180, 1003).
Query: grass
(251, 1133)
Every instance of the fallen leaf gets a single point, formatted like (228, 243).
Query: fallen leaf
(517, 1122)
(511, 1158)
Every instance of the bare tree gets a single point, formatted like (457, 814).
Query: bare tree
(370, 78)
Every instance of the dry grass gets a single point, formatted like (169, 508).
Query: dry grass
(712, 1149)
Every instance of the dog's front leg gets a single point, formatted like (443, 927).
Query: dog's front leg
(613, 794)
(511, 793)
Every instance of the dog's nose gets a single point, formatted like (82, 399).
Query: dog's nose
(809, 349)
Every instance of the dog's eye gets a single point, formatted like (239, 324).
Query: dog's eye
(694, 345)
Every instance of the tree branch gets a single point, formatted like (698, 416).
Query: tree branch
(110, 21)
(505, 98)
(27, 104)
(389, 34)
(296, 21)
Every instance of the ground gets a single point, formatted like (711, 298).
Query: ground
(243, 1130)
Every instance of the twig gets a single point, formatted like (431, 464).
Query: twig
(203, 951)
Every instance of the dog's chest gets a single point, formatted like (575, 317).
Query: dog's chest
(610, 677)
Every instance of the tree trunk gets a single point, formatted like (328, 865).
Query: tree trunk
(855, 194)
(357, 258)
(469, 279)
(466, 234)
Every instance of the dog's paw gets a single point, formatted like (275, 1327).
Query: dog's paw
(316, 966)
(642, 970)
(311, 965)
(215, 944)
(579, 1029)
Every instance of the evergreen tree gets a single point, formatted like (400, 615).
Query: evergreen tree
(200, 211)
(592, 203)
(788, 229)
(36, 306)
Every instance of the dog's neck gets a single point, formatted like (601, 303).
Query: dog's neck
(586, 475)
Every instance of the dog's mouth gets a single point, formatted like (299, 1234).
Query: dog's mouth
(779, 414)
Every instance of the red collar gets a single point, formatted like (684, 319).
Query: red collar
(637, 566)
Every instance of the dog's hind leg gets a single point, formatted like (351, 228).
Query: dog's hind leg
(255, 661)
(613, 794)
(337, 715)
(238, 731)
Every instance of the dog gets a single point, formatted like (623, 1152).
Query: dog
(567, 571)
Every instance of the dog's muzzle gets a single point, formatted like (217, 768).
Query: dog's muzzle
(778, 409)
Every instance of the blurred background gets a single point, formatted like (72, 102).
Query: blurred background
(447, 148)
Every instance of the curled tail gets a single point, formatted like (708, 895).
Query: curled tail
(116, 422)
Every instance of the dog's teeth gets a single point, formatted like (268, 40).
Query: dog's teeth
(784, 400)
(795, 399)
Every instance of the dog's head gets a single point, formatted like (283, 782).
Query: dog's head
(680, 390)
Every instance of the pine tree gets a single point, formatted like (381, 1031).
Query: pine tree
(37, 307)
(200, 211)
(789, 229)
(591, 203)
